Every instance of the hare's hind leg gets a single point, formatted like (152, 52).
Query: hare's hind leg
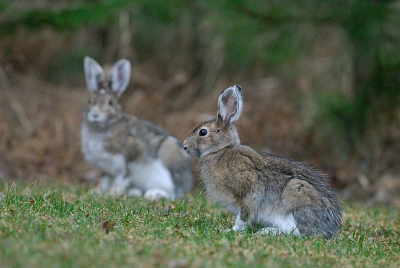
(153, 178)
(313, 213)
(270, 231)
(135, 192)
(156, 194)
(317, 221)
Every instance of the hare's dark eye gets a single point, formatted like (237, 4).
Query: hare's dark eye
(110, 102)
(203, 132)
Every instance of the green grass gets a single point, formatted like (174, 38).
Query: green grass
(43, 227)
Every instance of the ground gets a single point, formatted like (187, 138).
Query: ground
(65, 226)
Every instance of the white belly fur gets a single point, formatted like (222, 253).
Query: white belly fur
(285, 223)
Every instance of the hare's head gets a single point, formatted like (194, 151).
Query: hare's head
(220, 132)
(103, 106)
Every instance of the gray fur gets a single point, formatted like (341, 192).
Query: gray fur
(135, 155)
(263, 189)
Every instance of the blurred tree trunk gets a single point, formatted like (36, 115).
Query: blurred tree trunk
(125, 35)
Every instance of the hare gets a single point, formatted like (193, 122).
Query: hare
(136, 156)
(264, 190)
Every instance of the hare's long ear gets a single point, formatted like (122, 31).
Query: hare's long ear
(94, 74)
(230, 104)
(119, 76)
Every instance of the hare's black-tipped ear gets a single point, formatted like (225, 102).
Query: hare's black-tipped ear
(120, 75)
(230, 104)
(94, 74)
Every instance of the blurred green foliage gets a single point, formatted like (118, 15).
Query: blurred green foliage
(69, 17)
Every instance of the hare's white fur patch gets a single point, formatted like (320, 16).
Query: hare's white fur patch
(285, 223)
(281, 224)
(151, 175)
(135, 192)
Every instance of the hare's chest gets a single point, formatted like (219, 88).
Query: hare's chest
(218, 188)
(94, 150)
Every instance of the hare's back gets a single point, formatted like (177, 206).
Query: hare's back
(143, 127)
(297, 170)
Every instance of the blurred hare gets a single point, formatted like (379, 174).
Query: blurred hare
(136, 156)
(265, 191)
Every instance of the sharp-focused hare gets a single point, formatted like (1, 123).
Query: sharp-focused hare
(136, 156)
(262, 189)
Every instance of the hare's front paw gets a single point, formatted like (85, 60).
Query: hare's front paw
(156, 194)
(240, 225)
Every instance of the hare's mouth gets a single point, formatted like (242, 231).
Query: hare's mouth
(96, 117)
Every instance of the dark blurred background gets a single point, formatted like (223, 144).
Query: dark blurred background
(321, 80)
